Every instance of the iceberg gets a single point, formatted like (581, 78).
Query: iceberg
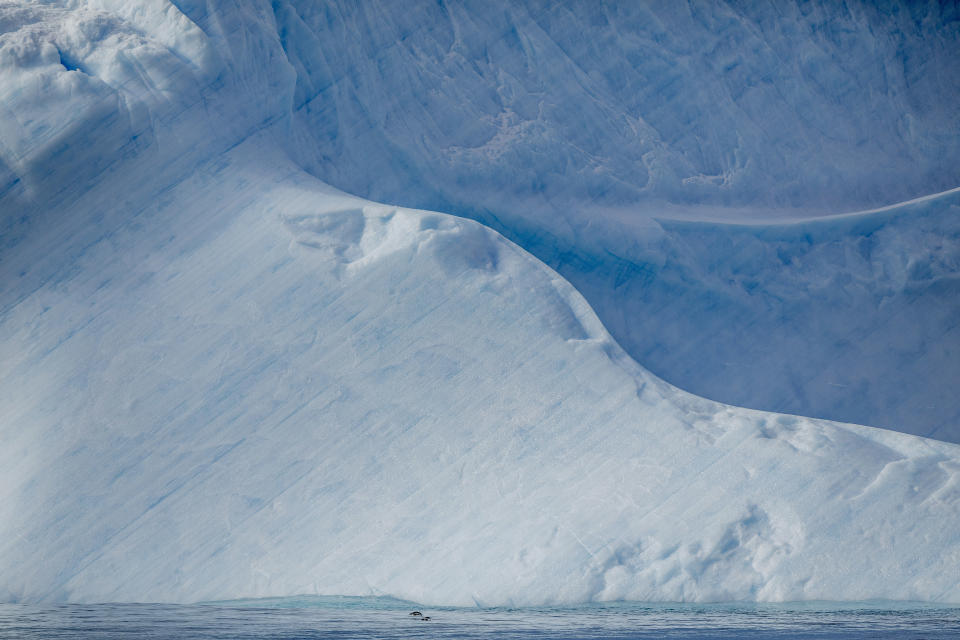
(223, 378)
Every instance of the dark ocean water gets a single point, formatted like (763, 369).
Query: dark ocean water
(381, 618)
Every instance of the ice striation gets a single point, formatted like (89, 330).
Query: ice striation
(223, 378)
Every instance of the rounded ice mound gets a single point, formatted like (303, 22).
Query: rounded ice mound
(83, 86)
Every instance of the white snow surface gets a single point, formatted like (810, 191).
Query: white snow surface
(222, 378)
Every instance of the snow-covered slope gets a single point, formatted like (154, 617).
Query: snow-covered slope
(222, 378)
(262, 387)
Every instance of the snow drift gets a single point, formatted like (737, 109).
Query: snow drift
(222, 378)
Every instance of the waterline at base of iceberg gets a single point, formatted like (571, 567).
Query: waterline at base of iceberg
(354, 617)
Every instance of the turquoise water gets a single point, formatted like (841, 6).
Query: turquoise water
(382, 618)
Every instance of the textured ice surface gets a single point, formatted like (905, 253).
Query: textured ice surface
(566, 126)
(819, 104)
(854, 317)
(572, 129)
(222, 378)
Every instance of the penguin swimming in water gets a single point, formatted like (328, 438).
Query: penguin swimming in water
(416, 613)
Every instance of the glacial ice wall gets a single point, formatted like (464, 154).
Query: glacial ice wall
(480, 105)
(222, 378)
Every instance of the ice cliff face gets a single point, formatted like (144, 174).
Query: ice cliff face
(818, 105)
(222, 378)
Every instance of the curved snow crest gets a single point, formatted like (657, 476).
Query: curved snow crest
(291, 390)
(360, 236)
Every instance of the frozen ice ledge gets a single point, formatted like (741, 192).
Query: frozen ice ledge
(222, 378)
